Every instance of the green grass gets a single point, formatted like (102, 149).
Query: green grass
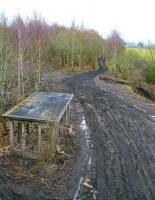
(147, 54)
(137, 66)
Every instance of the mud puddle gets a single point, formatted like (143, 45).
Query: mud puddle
(152, 118)
(84, 129)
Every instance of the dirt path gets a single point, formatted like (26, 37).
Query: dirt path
(115, 148)
(123, 139)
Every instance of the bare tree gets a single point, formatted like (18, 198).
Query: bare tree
(115, 46)
(37, 36)
(5, 72)
(20, 39)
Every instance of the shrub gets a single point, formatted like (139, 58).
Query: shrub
(150, 75)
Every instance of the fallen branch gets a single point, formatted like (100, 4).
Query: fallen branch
(92, 189)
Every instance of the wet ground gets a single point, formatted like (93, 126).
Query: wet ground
(122, 131)
(114, 148)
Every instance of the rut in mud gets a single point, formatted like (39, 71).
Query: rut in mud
(123, 137)
(121, 161)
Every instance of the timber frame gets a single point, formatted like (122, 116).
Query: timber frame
(36, 124)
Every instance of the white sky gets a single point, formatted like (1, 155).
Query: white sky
(134, 19)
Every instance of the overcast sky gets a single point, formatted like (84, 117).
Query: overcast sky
(134, 19)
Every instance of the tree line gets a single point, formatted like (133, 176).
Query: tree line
(30, 46)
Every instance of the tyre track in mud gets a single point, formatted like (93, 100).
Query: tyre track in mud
(123, 164)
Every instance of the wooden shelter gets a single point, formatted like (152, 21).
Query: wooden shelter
(37, 122)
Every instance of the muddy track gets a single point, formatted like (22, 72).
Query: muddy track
(123, 164)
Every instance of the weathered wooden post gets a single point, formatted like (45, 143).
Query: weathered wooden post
(69, 111)
(11, 135)
(66, 115)
(23, 138)
(52, 139)
(57, 137)
(39, 140)
(19, 132)
(54, 134)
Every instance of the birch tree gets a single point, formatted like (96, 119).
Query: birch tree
(37, 39)
(20, 45)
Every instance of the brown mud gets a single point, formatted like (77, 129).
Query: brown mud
(114, 147)
(123, 137)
